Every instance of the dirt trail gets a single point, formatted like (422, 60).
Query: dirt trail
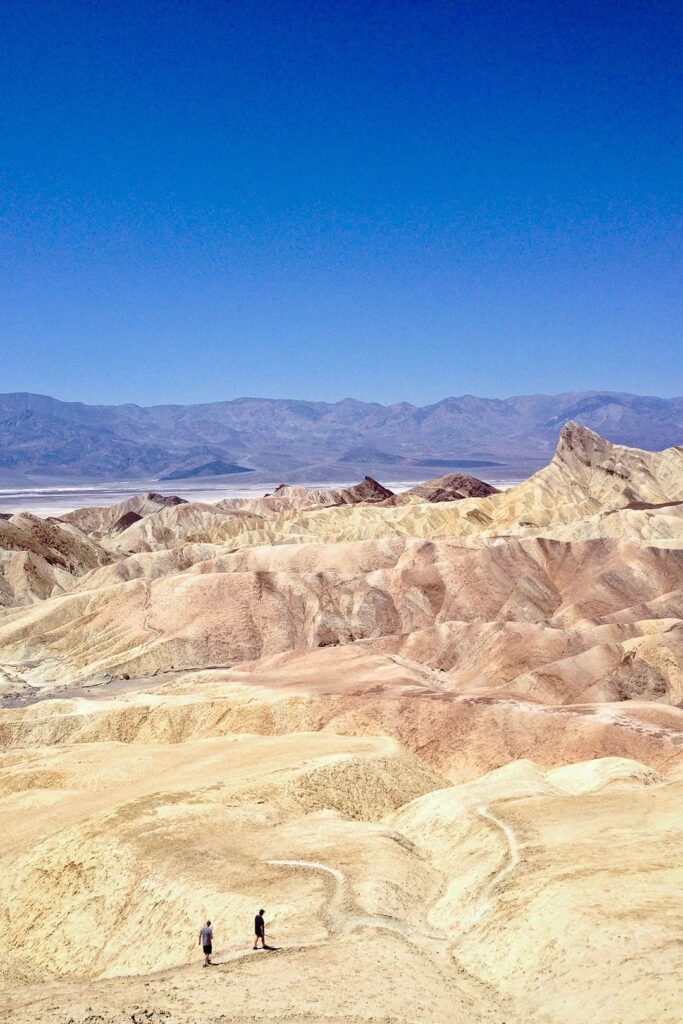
(513, 857)
(338, 915)
(511, 861)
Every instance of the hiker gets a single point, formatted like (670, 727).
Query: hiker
(260, 929)
(206, 942)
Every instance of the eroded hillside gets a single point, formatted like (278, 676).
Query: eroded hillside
(439, 739)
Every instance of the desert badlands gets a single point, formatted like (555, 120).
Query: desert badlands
(437, 735)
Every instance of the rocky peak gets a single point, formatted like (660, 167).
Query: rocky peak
(582, 442)
(369, 489)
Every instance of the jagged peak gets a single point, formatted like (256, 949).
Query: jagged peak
(612, 473)
(368, 489)
(575, 435)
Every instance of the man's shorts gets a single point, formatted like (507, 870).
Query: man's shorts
(207, 949)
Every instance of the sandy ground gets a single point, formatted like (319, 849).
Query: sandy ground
(391, 895)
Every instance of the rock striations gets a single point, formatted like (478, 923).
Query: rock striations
(438, 734)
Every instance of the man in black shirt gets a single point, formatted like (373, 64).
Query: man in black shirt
(260, 929)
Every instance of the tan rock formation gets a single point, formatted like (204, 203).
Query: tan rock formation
(441, 741)
(287, 498)
(100, 519)
(451, 487)
(41, 557)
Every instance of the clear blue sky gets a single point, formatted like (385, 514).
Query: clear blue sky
(208, 199)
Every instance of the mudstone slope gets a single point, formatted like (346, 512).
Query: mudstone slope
(439, 739)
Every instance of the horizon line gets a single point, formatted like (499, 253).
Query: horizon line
(341, 401)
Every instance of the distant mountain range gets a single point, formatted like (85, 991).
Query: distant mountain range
(44, 440)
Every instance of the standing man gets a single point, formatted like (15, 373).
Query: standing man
(206, 942)
(260, 929)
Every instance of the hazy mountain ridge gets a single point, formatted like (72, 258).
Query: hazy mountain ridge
(47, 439)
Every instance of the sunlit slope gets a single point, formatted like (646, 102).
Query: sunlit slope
(181, 822)
(357, 692)
(504, 895)
(218, 613)
(586, 476)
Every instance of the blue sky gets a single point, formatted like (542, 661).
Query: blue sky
(392, 201)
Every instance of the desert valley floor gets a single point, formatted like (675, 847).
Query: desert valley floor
(437, 735)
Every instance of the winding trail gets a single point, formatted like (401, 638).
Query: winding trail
(333, 908)
(338, 915)
(146, 611)
(513, 857)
